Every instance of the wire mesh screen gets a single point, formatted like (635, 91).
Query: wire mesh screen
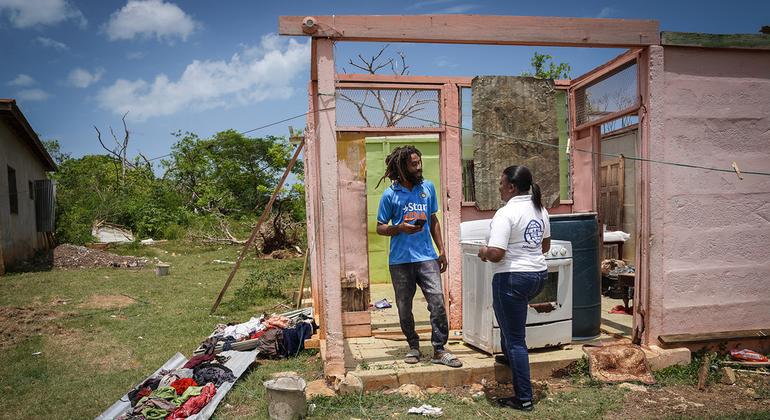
(613, 93)
(396, 108)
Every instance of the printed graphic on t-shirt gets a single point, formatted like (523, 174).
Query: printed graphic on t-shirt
(415, 211)
(533, 234)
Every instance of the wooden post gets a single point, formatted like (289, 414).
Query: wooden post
(331, 266)
(255, 231)
(302, 282)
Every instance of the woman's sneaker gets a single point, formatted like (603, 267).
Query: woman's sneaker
(514, 403)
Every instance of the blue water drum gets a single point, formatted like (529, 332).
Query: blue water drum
(582, 229)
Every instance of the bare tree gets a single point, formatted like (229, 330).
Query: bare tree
(120, 152)
(394, 105)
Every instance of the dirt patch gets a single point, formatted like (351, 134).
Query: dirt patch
(17, 324)
(73, 256)
(107, 302)
(75, 347)
(686, 400)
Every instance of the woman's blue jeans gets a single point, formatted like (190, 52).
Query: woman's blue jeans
(511, 293)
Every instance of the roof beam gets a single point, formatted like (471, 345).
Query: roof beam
(476, 29)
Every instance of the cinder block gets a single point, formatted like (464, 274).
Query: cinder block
(660, 358)
(378, 380)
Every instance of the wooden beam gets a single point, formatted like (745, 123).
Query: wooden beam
(714, 336)
(476, 29)
(405, 80)
(356, 318)
(392, 131)
(736, 41)
(604, 69)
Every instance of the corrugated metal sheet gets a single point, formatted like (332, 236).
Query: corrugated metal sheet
(238, 362)
(45, 205)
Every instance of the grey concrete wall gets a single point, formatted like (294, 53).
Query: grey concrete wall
(626, 144)
(18, 233)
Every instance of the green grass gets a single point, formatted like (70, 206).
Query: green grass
(91, 357)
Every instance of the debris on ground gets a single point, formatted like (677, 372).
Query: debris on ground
(409, 391)
(747, 355)
(74, 256)
(427, 410)
(318, 388)
(618, 363)
(382, 304)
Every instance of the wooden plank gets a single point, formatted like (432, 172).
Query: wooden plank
(313, 342)
(352, 331)
(390, 131)
(714, 336)
(735, 41)
(476, 29)
(403, 80)
(356, 318)
(386, 86)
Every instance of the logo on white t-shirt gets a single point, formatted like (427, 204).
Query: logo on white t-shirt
(533, 234)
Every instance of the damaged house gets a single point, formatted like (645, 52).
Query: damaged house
(678, 160)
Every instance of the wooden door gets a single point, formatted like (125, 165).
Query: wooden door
(611, 184)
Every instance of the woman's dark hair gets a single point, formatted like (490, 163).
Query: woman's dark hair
(396, 163)
(521, 177)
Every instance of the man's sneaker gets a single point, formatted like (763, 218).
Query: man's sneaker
(514, 403)
(500, 358)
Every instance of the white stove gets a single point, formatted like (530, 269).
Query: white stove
(549, 318)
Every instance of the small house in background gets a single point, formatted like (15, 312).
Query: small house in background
(26, 193)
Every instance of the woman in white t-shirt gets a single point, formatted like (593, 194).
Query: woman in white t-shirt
(519, 236)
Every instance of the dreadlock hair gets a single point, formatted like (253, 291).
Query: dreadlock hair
(396, 163)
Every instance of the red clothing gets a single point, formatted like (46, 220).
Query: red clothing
(181, 385)
(194, 404)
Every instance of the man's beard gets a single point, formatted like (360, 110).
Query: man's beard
(415, 179)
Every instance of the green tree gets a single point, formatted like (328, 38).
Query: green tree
(229, 173)
(544, 68)
(54, 150)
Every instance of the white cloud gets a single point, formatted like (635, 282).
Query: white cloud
(148, 18)
(52, 43)
(255, 74)
(460, 8)
(135, 55)
(32, 95)
(606, 12)
(445, 62)
(82, 78)
(28, 13)
(22, 80)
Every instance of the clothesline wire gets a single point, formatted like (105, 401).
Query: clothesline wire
(542, 143)
(255, 129)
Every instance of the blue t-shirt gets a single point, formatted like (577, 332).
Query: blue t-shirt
(399, 204)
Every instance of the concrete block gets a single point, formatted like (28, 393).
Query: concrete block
(660, 358)
(378, 380)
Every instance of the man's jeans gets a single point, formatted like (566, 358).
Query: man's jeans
(511, 293)
(427, 275)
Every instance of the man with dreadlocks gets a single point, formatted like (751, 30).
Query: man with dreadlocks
(410, 204)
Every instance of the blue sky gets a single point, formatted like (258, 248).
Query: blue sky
(205, 66)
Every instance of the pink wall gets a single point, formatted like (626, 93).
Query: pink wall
(709, 256)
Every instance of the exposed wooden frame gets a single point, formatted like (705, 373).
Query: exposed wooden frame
(385, 86)
(392, 131)
(732, 41)
(602, 71)
(609, 117)
(477, 29)
(437, 81)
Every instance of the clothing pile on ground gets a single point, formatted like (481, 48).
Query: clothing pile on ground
(275, 337)
(184, 388)
(179, 393)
